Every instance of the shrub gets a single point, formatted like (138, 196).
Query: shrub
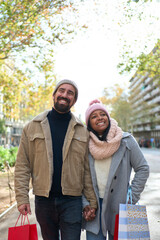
(13, 154)
(7, 157)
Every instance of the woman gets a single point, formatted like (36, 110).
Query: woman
(112, 155)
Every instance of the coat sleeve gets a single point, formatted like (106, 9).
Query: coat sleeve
(141, 170)
(84, 201)
(22, 171)
(88, 189)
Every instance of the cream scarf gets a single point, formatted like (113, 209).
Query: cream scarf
(105, 149)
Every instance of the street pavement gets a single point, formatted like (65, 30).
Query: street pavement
(9, 220)
(150, 197)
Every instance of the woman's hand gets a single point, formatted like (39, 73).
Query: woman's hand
(89, 213)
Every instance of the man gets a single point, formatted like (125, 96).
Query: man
(53, 151)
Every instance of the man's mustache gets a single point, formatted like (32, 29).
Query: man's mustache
(62, 98)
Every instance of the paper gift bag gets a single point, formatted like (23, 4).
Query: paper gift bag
(133, 222)
(23, 232)
(116, 227)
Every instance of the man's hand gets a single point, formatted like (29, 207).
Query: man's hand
(89, 213)
(24, 209)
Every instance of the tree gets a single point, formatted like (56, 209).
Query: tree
(2, 127)
(150, 62)
(116, 100)
(36, 99)
(23, 98)
(140, 46)
(12, 83)
(29, 31)
(145, 63)
(31, 23)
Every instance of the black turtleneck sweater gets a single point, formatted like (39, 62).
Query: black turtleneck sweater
(58, 124)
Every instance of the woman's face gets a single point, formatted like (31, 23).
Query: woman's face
(99, 121)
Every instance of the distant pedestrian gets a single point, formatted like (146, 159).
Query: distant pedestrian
(152, 142)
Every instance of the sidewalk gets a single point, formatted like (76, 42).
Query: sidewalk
(151, 200)
(9, 220)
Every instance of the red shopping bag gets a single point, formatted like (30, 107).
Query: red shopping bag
(116, 227)
(23, 232)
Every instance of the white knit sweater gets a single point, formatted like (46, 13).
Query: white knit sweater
(102, 170)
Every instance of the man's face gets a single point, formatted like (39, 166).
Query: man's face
(64, 98)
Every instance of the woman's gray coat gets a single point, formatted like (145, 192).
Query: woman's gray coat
(127, 157)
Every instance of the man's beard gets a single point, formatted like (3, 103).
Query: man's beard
(61, 107)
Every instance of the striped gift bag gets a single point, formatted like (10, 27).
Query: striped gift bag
(133, 222)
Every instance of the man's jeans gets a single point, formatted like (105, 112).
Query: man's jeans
(60, 214)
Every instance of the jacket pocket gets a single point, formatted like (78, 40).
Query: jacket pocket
(38, 140)
(79, 145)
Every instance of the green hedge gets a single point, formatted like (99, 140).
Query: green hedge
(7, 156)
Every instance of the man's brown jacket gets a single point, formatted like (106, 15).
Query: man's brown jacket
(35, 160)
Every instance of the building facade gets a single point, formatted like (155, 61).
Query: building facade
(14, 131)
(145, 101)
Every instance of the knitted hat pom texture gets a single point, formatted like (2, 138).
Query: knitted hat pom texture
(94, 101)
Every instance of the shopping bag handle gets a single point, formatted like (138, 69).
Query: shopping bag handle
(23, 218)
(129, 195)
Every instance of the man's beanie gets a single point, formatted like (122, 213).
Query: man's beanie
(93, 106)
(66, 81)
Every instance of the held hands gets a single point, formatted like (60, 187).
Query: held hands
(89, 213)
(24, 209)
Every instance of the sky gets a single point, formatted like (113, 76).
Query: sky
(91, 69)
(91, 58)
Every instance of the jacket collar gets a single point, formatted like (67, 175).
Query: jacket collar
(42, 116)
(126, 134)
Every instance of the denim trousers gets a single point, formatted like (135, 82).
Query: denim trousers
(99, 236)
(60, 216)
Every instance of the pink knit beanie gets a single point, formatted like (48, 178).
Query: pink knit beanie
(95, 105)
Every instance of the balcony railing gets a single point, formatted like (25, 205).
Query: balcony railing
(155, 91)
(147, 96)
(156, 99)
